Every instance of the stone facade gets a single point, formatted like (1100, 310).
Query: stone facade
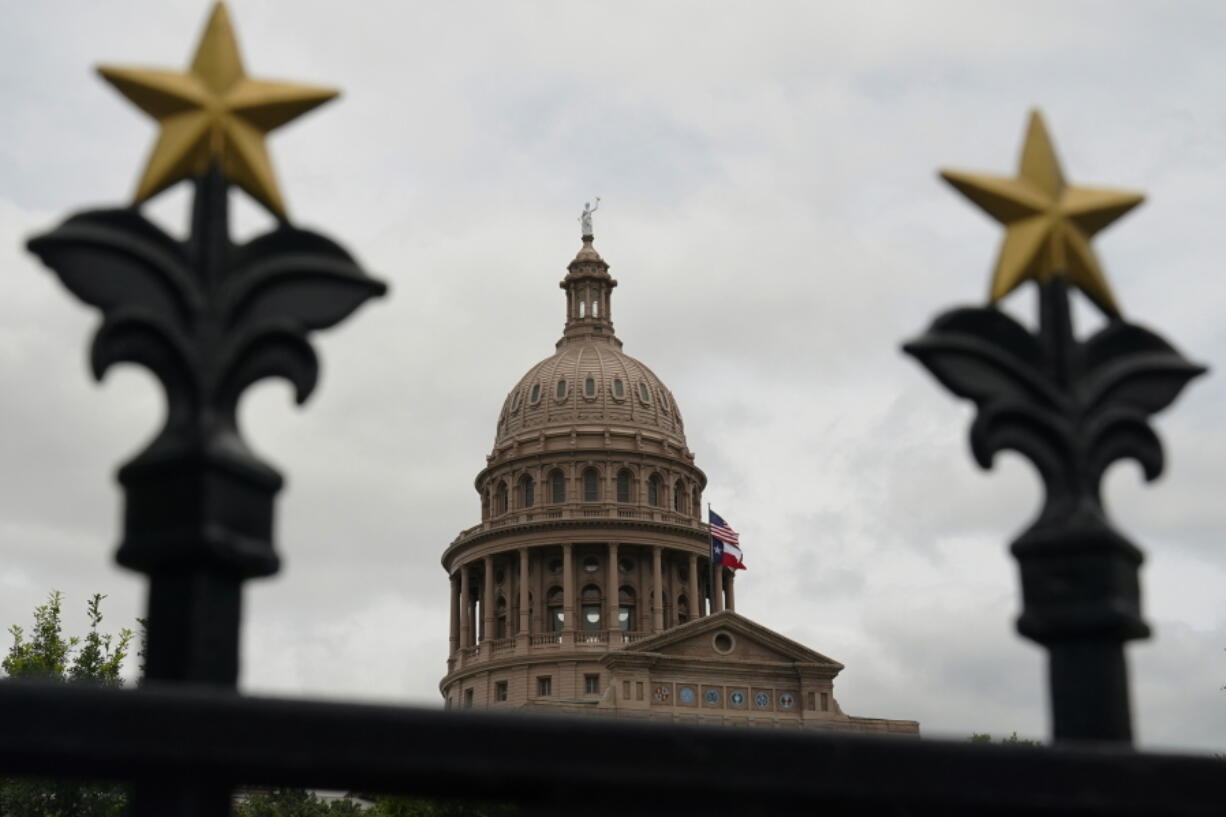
(587, 586)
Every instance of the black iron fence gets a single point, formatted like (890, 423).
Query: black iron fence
(210, 317)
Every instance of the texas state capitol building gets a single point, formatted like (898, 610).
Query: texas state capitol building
(584, 588)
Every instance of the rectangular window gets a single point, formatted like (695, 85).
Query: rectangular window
(500, 691)
(591, 685)
(544, 686)
(626, 690)
(468, 699)
(638, 690)
(825, 702)
(812, 702)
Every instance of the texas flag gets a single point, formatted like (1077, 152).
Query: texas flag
(725, 543)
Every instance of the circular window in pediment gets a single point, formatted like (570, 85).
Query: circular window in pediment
(723, 643)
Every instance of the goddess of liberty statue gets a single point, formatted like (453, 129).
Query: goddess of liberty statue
(585, 218)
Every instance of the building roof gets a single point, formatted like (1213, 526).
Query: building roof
(751, 643)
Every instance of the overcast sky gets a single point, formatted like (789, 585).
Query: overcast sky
(772, 211)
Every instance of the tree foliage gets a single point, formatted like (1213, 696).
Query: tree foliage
(295, 803)
(985, 737)
(299, 803)
(46, 655)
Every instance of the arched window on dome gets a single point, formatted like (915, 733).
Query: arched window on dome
(591, 605)
(696, 507)
(596, 307)
(624, 482)
(554, 610)
(664, 400)
(560, 392)
(500, 618)
(679, 497)
(625, 608)
(683, 609)
(591, 485)
(589, 387)
(485, 504)
(583, 305)
(515, 402)
(500, 498)
(644, 394)
(534, 396)
(557, 486)
(619, 389)
(527, 491)
(654, 489)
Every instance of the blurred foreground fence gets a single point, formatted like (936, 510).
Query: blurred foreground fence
(188, 738)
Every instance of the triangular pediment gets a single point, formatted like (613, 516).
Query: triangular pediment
(727, 636)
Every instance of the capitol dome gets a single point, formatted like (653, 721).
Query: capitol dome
(589, 380)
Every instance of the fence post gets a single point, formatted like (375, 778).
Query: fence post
(1073, 407)
(208, 318)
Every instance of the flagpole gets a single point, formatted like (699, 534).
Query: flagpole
(710, 565)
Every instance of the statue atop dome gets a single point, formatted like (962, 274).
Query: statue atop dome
(585, 218)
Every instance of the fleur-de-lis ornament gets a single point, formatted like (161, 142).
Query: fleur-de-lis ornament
(1071, 406)
(209, 317)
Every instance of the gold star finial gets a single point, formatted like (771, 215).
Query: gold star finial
(214, 111)
(1048, 222)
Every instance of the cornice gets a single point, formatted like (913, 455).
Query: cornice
(699, 535)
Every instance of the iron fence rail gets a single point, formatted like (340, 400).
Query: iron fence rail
(202, 737)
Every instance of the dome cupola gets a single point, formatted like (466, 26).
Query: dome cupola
(589, 290)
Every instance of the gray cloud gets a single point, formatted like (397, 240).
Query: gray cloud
(772, 213)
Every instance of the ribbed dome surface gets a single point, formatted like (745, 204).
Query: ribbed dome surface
(602, 385)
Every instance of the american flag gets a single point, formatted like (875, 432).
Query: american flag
(720, 529)
(724, 543)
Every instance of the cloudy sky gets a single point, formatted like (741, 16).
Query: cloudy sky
(772, 211)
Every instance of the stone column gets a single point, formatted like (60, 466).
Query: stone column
(568, 588)
(657, 592)
(731, 591)
(466, 631)
(695, 610)
(512, 594)
(454, 581)
(540, 584)
(525, 624)
(611, 595)
(717, 590)
(487, 600)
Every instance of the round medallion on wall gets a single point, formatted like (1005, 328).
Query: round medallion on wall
(662, 694)
(786, 701)
(762, 700)
(711, 697)
(686, 695)
(736, 698)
